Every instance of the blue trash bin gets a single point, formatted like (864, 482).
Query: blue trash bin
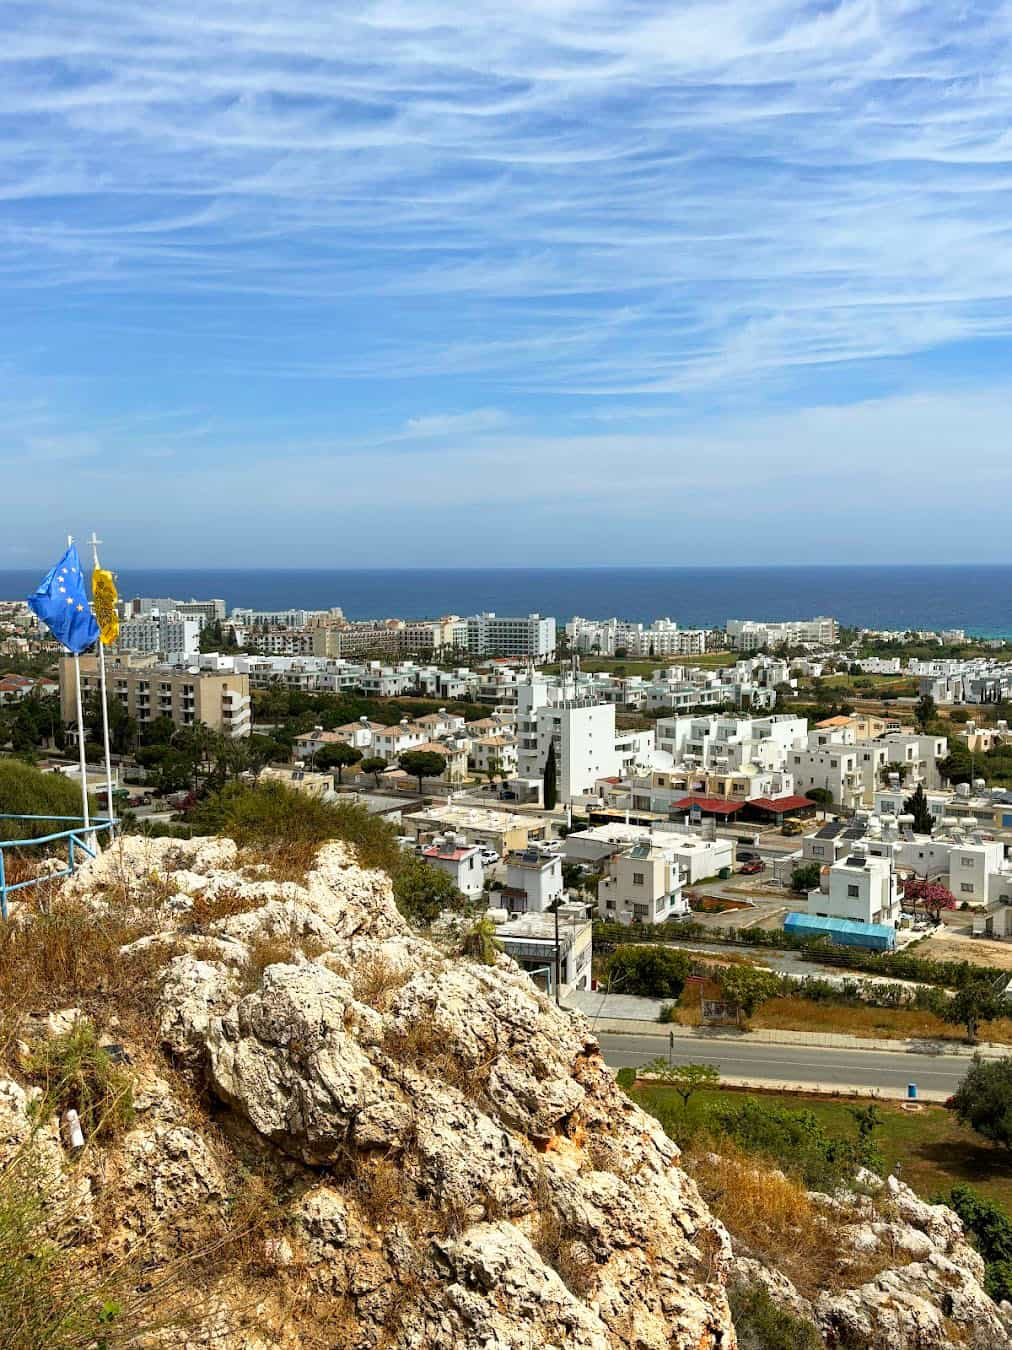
(912, 1091)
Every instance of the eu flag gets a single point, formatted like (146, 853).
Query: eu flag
(62, 604)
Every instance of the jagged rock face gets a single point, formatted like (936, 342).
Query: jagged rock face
(468, 1173)
(479, 1170)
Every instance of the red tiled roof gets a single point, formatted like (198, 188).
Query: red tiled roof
(717, 806)
(781, 804)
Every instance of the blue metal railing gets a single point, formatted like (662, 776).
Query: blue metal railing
(76, 837)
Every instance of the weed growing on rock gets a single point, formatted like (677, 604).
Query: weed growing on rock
(75, 1071)
(762, 1324)
(375, 978)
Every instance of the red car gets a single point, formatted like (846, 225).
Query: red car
(753, 866)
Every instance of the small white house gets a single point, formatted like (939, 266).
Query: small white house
(460, 861)
(533, 882)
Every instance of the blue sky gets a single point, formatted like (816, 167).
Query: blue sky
(540, 282)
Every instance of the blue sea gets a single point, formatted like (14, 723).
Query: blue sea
(976, 598)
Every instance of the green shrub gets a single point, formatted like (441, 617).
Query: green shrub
(74, 1071)
(991, 1228)
(794, 1140)
(25, 791)
(762, 1324)
(272, 815)
(651, 972)
(626, 1079)
(983, 1099)
(668, 1012)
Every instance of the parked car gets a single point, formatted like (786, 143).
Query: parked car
(489, 857)
(792, 825)
(752, 866)
(744, 855)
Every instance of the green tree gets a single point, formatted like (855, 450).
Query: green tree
(925, 712)
(822, 796)
(550, 775)
(651, 972)
(983, 1099)
(374, 764)
(339, 756)
(916, 805)
(422, 764)
(685, 1079)
(974, 1003)
(806, 876)
(750, 987)
(991, 1228)
(422, 892)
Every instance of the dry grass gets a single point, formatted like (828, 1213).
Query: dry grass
(284, 859)
(772, 1216)
(69, 956)
(570, 1258)
(223, 905)
(375, 978)
(423, 1045)
(276, 949)
(798, 1014)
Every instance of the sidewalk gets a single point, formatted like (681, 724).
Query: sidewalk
(638, 1016)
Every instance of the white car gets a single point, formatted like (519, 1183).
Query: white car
(489, 857)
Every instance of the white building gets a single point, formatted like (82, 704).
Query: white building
(460, 861)
(533, 882)
(172, 637)
(581, 730)
(614, 637)
(492, 635)
(858, 887)
(537, 941)
(748, 635)
(641, 884)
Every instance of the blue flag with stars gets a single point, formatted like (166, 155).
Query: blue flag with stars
(62, 604)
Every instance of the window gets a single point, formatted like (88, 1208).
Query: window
(638, 878)
(818, 851)
(967, 888)
(853, 891)
(967, 862)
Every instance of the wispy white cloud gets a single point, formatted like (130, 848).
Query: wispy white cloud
(441, 425)
(770, 183)
(632, 217)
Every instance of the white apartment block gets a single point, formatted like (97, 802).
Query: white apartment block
(748, 635)
(587, 746)
(493, 635)
(609, 637)
(730, 743)
(207, 611)
(170, 636)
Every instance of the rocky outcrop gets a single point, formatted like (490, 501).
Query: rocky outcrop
(449, 1162)
(463, 1170)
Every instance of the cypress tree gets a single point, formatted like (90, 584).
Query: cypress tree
(550, 789)
(917, 806)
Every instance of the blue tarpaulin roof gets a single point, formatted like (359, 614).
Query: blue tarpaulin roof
(848, 932)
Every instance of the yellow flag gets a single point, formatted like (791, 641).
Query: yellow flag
(103, 592)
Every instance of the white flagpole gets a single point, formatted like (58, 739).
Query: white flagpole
(105, 707)
(80, 730)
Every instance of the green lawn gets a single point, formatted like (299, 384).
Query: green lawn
(933, 1150)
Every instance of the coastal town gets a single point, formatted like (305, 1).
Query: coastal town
(793, 774)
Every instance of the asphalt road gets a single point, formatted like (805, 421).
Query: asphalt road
(882, 1069)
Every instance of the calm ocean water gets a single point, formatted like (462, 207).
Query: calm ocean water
(977, 598)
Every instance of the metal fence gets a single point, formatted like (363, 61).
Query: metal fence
(82, 842)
